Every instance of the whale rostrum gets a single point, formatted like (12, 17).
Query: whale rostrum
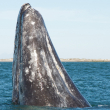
(39, 77)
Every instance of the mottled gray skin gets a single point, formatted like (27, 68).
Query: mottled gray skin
(39, 77)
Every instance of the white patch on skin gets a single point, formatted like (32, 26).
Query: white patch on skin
(32, 54)
(30, 37)
(32, 23)
(27, 15)
(30, 80)
(40, 84)
(35, 54)
(33, 75)
(33, 60)
(29, 66)
(39, 75)
(28, 47)
(26, 70)
(49, 104)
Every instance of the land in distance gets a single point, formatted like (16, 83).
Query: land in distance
(68, 60)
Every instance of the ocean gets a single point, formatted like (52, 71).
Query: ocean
(91, 78)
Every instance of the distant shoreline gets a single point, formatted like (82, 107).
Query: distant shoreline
(84, 60)
(6, 60)
(68, 60)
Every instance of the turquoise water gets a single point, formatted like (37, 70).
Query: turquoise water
(91, 78)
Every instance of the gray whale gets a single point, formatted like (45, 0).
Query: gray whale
(39, 77)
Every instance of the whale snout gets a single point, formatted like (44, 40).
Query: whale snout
(25, 6)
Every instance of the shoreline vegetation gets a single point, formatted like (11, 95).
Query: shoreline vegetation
(68, 60)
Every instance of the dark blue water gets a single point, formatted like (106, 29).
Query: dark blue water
(91, 78)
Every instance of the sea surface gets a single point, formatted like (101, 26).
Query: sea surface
(91, 78)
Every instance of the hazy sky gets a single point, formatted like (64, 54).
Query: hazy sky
(77, 28)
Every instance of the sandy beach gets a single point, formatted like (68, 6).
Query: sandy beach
(84, 60)
(6, 60)
(68, 60)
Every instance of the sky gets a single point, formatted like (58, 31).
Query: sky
(77, 28)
